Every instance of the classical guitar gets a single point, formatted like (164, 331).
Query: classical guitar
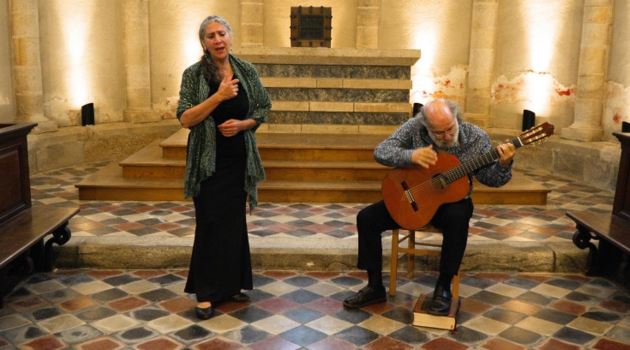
(413, 194)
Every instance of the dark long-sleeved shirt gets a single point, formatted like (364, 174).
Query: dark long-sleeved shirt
(473, 141)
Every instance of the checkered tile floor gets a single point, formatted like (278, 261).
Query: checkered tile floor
(330, 221)
(147, 309)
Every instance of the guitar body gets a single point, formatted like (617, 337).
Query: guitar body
(427, 195)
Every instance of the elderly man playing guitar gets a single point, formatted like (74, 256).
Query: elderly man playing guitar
(437, 128)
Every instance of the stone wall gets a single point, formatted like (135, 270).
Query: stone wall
(7, 115)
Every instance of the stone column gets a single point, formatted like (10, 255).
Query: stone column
(252, 22)
(481, 62)
(591, 85)
(367, 23)
(27, 68)
(137, 63)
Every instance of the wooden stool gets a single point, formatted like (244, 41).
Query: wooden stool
(410, 252)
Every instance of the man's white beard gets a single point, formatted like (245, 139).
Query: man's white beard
(446, 144)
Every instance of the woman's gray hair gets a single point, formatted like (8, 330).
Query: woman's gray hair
(453, 106)
(209, 69)
(210, 19)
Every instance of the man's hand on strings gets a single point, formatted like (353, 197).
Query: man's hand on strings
(424, 156)
(506, 151)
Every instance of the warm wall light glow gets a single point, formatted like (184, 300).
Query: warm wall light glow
(78, 73)
(422, 72)
(190, 44)
(542, 36)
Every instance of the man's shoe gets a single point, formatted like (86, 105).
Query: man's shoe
(441, 302)
(239, 298)
(366, 296)
(204, 313)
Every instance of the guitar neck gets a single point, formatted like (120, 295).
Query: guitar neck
(476, 163)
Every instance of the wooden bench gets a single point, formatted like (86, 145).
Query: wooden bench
(23, 249)
(612, 230)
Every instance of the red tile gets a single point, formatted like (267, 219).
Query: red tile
(229, 306)
(178, 304)
(319, 228)
(104, 343)
(331, 343)
(535, 277)
(127, 226)
(279, 275)
(217, 344)
(180, 209)
(144, 208)
(100, 274)
(166, 226)
(77, 304)
(318, 210)
(127, 304)
(48, 343)
(498, 277)
(521, 307)
(389, 344)
(569, 307)
(325, 305)
(322, 275)
(501, 344)
(443, 344)
(358, 274)
(28, 303)
(159, 344)
(274, 343)
(281, 227)
(379, 308)
(277, 305)
(476, 230)
(3, 342)
(616, 306)
(553, 344)
(183, 273)
(109, 208)
(146, 274)
(577, 278)
(474, 306)
(607, 344)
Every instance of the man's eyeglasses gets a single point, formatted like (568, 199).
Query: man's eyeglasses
(442, 134)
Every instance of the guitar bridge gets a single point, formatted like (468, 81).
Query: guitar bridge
(409, 196)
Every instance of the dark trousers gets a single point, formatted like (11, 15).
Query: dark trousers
(452, 218)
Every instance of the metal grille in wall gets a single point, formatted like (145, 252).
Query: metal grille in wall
(311, 26)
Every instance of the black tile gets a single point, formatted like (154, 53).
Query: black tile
(301, 296)
(352, 315)
(579, 297)
(341, 296)
(143, 231)
(299, 223)
(534, 298)
(303, 335)
(165, 280)
(109, 295)
(555, 316)
(96, 314)
(467, 336)
(135, 335)
(564, 283)
(158, 295)
(574, 336)
(411, 335)
(300, 281)
(148, 314)
(300, 233)
(505, 316)
(192, 334)
(23, 334)
(489, 297)
(400, 314)
(303, 315)
(523, 283)
(124, 212)
(261, 280)
(262, 232)
(620, 334)
(602, 316)
(79, 334)
(251, 314)
(357, 335)
(520, 336)
(602, 283)
(75, 280)
(246, 335)
(428, 280)
(45, 313)
(346, 281)
(121, 280)
(59, 296)
(257, 295)
(339, 233)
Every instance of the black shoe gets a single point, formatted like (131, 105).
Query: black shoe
(441, 302)
(204, 313)
(366, 296)
(239, 298)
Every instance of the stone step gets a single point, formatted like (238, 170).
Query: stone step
(315, 253)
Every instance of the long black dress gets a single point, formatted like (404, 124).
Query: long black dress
(220, 265)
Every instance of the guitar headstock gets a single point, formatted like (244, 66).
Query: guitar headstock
(536, 134)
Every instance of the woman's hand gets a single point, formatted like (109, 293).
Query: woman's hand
(231, 127)
(227, 89)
